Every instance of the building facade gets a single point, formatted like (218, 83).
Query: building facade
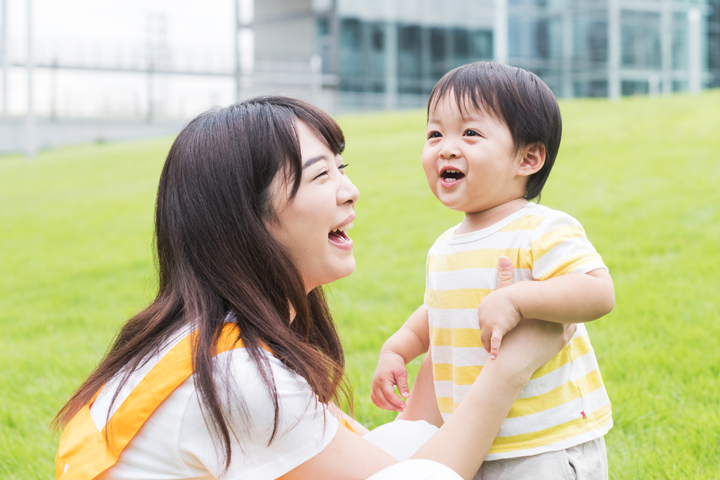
(389, 53)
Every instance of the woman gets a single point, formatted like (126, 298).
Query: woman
(232, 371)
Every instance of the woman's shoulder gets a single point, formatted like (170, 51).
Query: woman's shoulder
(178, 440)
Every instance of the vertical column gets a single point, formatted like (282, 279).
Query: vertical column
(614, 49)
(500, 32)
(236, 51)
(244, 45)
(666, 46)
(30, 147)
(5, 58)
(391, 62)
(316, 78)
(694, 50)
(567, 51)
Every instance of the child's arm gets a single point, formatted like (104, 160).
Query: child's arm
(570, 298)
(411, 341)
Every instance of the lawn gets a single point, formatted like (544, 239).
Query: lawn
(641, 175)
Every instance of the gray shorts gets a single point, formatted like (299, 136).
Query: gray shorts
(587, 461)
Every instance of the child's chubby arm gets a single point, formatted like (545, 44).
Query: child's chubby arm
(411, 341)
(570, 298)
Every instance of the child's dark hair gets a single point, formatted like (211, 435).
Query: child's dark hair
(517, 97)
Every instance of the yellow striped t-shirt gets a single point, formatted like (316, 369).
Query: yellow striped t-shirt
(565, 402)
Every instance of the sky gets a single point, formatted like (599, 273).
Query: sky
(199, 34)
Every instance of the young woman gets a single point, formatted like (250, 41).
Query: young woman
(232, 371)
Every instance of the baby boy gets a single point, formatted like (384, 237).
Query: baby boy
(493, 133)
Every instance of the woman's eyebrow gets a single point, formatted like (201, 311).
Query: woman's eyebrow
(313, 160)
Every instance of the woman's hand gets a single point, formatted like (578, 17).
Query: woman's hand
(534, 342)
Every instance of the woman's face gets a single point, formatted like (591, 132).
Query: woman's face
(313, 226)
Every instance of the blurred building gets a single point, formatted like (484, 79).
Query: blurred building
(390, 53)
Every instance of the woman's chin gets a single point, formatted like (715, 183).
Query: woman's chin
(339, 270)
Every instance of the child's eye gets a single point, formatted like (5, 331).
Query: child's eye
(434, 135)
(472, 133)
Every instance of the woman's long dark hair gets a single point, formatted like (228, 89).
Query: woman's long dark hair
(215, 256)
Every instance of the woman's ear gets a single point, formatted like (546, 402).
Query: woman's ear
(533, 159)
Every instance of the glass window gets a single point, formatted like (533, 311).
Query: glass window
(461, 47)
(350, 34)
(378, 38)
(438, 49)
(323, 27)
(640, 39)
(409, 59)
(482, 45)
(633, 87)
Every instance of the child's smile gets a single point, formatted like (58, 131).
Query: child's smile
(470, 160)
(450, 176)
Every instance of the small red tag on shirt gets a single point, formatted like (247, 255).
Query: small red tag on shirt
(583, 414)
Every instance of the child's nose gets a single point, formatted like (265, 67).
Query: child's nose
(449, 151)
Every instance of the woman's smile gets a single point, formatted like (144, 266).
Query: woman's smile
(313, 226)
(338, 236)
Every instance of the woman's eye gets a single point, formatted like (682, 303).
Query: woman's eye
(324, 172)
(342, 168)
(434, 135)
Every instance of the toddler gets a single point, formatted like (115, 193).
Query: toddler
(493, 133)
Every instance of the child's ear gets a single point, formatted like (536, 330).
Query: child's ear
(533, 159)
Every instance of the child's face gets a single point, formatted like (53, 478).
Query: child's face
(470, 163)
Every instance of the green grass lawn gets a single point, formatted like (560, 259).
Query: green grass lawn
(641, 175)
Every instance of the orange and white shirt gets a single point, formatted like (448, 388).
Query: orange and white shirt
(153, 436)
(565, 402)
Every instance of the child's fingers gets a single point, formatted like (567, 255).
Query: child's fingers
(505, 275)
(402, 384)
(495, 341)
(392, 400)
(383, 396)
(378, 398)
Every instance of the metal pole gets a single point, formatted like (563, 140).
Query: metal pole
(567, 20)
(391, 62)
(666, 47)
(30, 147)
(237, 52)
(5, 58)
(614, 50)
(500, 32)
(695, 50)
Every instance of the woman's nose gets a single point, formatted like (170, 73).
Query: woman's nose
(348, 192)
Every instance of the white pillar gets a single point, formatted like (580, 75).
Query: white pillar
(237, 51)
(30, 142)
(666, 46)
(391, 64)
(5, 58)
(316, 78)
(694, 50)
(567, 52)
(500, 32)
(614, 49)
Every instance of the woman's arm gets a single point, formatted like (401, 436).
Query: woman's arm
(463, 441)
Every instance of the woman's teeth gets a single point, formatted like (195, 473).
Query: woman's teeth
(343, 229)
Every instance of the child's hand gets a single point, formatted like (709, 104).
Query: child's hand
(497, 314)
(390, 371)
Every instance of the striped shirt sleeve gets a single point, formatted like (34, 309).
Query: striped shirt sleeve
(559, 246)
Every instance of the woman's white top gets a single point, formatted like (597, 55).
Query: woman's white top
(176, 443)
